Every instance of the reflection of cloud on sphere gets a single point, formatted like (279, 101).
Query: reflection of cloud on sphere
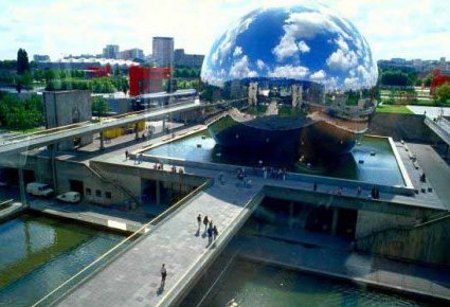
(298, 42)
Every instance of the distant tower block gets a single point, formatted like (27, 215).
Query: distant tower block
(253, 93)
(297, 95)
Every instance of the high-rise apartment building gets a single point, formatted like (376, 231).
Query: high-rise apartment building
(132, 54)
(111, 52)
(163, 51)
(188, 60)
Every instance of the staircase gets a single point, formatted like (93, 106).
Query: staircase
(422, 242)
(95, 169)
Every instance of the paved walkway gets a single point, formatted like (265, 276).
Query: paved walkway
(425, 198)
(436, 170)
(348, 265)
(432, 112)
(134, 278)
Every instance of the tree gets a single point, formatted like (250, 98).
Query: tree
(395, 78)
(21, 114)
(23, 64)
(100, 106)
(442, 93)
(427, 81)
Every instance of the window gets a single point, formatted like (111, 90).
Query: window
(88, 191)
(98, 193)
(108, 195)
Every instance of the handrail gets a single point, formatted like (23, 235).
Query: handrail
(436, 218)
(142, 229)
(96, 170)
(225, 237)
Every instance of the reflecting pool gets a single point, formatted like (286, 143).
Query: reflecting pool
(246, 283)
(40, 253)
(372, 160)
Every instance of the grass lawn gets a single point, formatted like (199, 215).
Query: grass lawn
(393, 109)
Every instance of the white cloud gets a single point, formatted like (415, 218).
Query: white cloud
(237, 51)
(240, 69)
(303, 47)
(341, 43)
(402, 28)
(230, 39)
(289, 71)
(351, 83)
(341, 60)
(318, 75)
(286, 48)
(261, 65)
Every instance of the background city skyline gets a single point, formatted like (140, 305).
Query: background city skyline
(392, 28)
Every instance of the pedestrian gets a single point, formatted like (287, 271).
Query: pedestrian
(205, 222)
(141, 157)
(210, 234)
(163, 276)
(126, 154)
(265, 172)
(199, 221)
(284, 174)
(315, 186)
(215, 232)
(358, 192)
(221, 177)
(210, 225)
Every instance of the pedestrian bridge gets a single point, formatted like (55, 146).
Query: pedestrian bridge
(74, 131)
(134, 278)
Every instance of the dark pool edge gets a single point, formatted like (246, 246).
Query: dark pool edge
(355, 280)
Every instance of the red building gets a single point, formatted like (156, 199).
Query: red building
(98, 71)
(439, 78)
(147, 80)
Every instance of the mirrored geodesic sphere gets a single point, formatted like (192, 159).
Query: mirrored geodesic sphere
(299, 68)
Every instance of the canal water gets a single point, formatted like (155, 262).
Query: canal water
(39, 253)
(246, 283)
(370, 161)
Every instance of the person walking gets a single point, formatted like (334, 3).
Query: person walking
(215, 233)
(126, 154)
(163, 276)
(221, 178)
(210, 235)
(358, 192)
(210, 225)
(205, 222)
(199, 221)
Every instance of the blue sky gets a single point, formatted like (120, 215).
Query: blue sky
(396, 28)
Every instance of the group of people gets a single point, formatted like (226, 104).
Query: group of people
(242, 176)
(210, 228)
(274, 173)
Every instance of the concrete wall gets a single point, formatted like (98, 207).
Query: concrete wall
(373, 222)
(67, 171)
(66, 108)
(429, 243)
(408, 127)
